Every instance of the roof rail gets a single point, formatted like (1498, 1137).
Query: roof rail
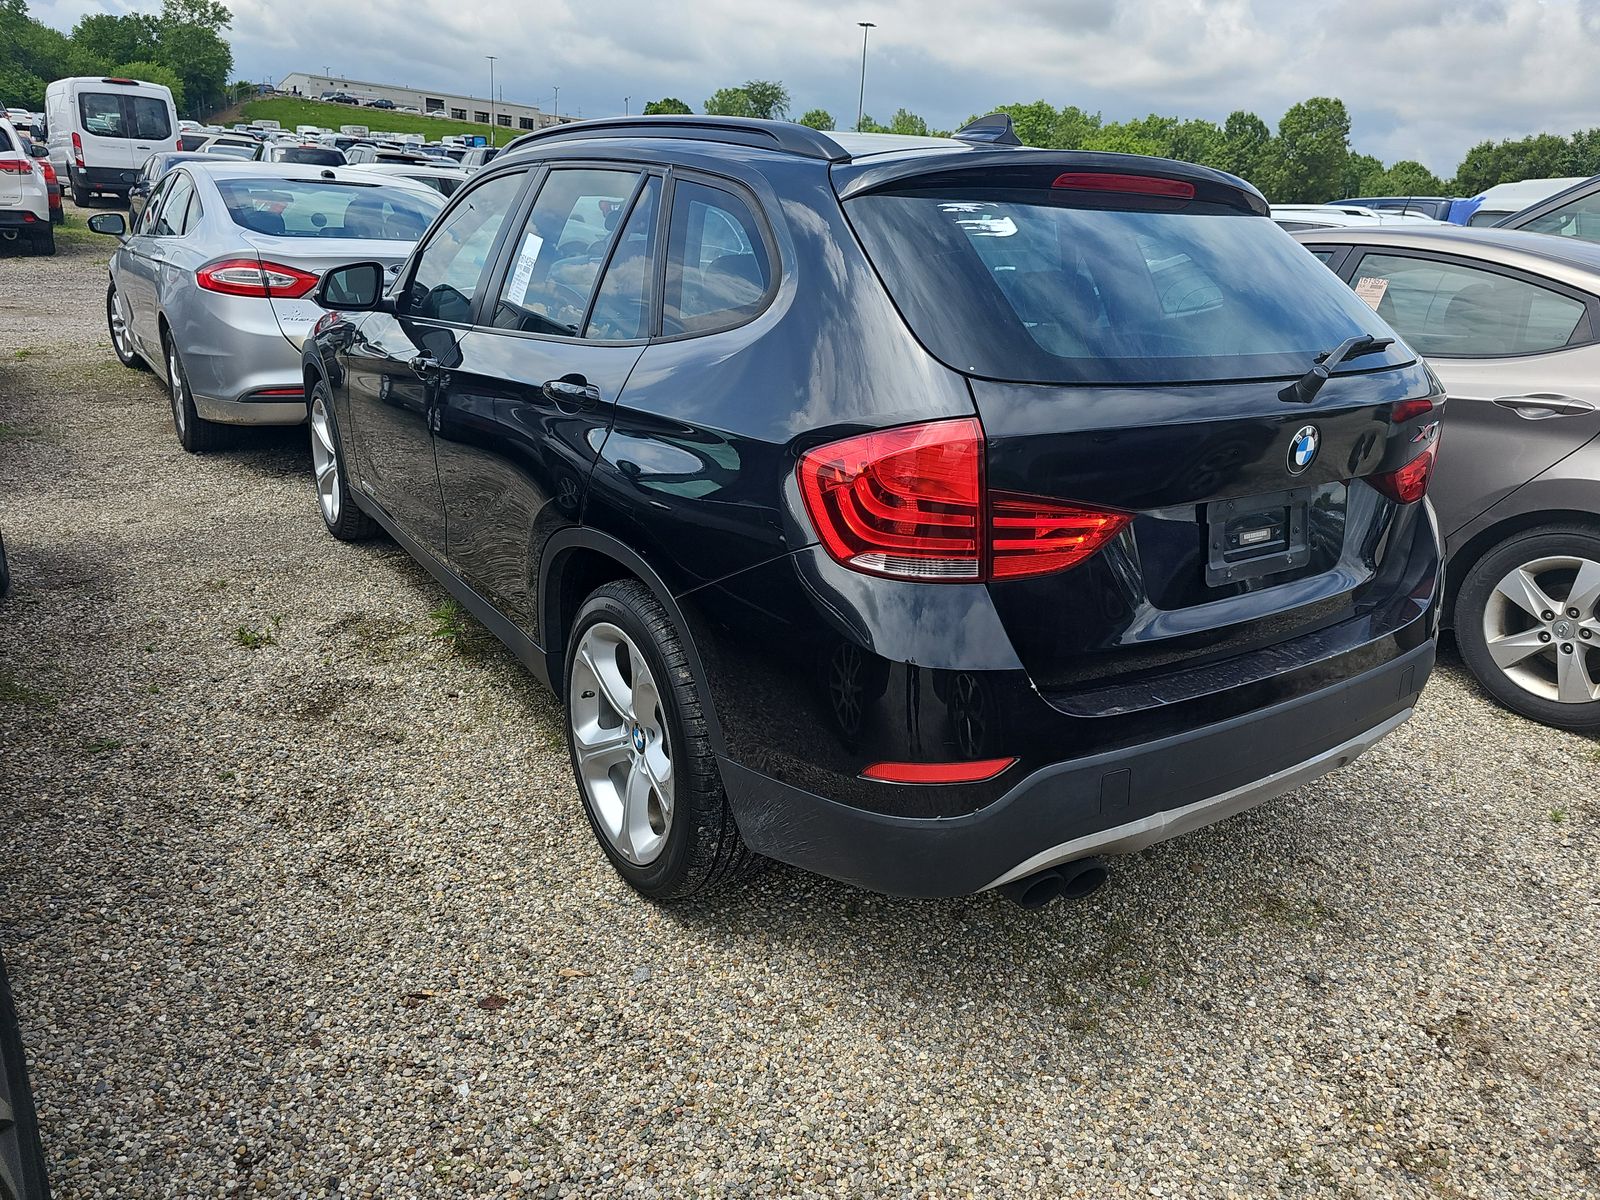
(739, 131)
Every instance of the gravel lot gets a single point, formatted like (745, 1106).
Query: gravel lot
(299, 901)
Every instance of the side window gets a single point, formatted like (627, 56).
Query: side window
(717, 266)
(152, 208)
(150, 118)
(174, 207)
(191, 215)
(450, 268)
(1447, 309)
(622, 305)
(561, 250)
(101, 114)
(1322, 256)
(1578, 218)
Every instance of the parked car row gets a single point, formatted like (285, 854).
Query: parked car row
(26, 207)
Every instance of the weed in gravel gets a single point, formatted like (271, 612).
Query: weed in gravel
(101, 745)
(458, 630)
(1558, 815)
(254, 639)
(13, 433)
(15, 691)
(22, 354)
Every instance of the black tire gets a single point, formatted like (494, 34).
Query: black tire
(195, 433)
(703, 850)
(80, 196)
(19, 1126)
(350, 522)
(44, 241)
(132, 358)
(1477, 588)
(5, 571)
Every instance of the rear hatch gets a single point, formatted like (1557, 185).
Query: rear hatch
(1128, 327)
(11, 176)
(308, 225)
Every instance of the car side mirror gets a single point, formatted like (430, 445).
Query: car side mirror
(109, 223)
(357, 287)
(39, 151)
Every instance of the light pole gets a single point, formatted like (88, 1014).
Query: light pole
(627, 111)
(558, 102)
(861, 99)
(491, 58)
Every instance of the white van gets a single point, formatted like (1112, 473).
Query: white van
(1499, 202)
(102, 130)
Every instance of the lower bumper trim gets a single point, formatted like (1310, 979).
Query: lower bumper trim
(1158, 827)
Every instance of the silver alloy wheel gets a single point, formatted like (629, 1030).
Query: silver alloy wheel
(180, 417)
(119, 327)
(324, 460)
(619, 736)
(1542, 628)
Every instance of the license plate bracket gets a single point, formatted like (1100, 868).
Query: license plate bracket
(1256, 536)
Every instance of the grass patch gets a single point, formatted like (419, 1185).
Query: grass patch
(15, 691)
(254, 639)
(102, 745)
(290, 111)
(13, 433)
(459, 630)
(1558, 815)
(22, 355)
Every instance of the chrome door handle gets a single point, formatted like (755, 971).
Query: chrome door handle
(425, 365)
(1541, 406)
(570, 391)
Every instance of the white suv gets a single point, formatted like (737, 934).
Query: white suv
(24, 195)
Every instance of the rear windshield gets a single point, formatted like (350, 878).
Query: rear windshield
(317, 156)
(1022, 286)
(310, 208)
(112, 115)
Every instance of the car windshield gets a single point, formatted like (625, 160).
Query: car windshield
(1007, 286)
(313, 208)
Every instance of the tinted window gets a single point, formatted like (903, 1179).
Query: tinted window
(317, 156)
(1578, 218)
(1487, 217)
(451, 265)
(717, 265)
(102, 115)
(150, 118)
(314, 208)
(193, 141)
(152, 208)
(561, 250)
(170, 222)
(1446, 309)
(106, 114)
(1043, 290)
(6, 144)
(622, 305)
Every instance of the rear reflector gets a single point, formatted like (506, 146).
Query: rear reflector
(1406, 410)
(1137, 185)
(1409, 483)
(248, 277)
(910, 503)
(950, 772)
(280, 393)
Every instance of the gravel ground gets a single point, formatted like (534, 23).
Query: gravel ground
(299, 901)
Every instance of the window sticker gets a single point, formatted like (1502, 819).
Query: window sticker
(522, 273)
(1371, 289)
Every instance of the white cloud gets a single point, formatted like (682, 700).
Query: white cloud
(1423, 79)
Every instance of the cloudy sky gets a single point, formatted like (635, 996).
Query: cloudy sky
(1424, 79)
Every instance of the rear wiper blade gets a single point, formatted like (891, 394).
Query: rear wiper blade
(1304, 390)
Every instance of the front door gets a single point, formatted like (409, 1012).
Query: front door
(523, 416)
(396, 362)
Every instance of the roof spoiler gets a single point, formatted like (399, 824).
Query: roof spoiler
(994, 130)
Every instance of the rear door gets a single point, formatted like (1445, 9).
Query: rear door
(521, 418)
(139, 275)
(10, 174)
(1517, 355)
(120, 129)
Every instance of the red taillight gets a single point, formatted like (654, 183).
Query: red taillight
(15, 166)
(247, 277)
(910, 503)
(1408, 410)
(1409, 483)
(948, 772)
(1138, 185)
(77, 151)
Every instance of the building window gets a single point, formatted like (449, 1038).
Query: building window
(524, 122)
(481, 117)
(504, 119)
(458, 114)
(432, 104)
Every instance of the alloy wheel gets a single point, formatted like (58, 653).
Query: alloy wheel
(619, 735)
(324, 460)
(119, 327)
(175, 386)
(1541, 627)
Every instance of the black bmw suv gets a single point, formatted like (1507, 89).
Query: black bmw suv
(934, 514)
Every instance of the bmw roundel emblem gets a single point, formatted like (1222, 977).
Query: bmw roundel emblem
(1303, 449)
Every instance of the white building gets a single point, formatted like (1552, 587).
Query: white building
(519, 118)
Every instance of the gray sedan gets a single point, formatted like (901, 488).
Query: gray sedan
(1510, 322)
(212, 286)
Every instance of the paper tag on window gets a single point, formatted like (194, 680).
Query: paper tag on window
(522, 273)
(1371, 289)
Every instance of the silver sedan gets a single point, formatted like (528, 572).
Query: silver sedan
(212, 287)
(1510, 322)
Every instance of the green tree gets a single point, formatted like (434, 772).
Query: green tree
(669, 106)
(1041, 124)
(1540, 156)
(1582, 155)
(1246, 149)
(118, 39)
(763, 98)
(1410, 178)
(191, 45)
(32, 54)
(152, 72)
(908, 123)
(1363, 175)
(868, 125)
(1313, 144)
(817, 118)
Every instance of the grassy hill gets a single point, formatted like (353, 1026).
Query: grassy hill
(290, 111)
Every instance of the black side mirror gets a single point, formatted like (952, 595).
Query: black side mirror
(111, 223)
(38, 150)
(357, 287)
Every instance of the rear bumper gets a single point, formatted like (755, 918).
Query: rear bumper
(1112, 803)
(24, 218)
(233, 349)
(251, 412)
(104, 179)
